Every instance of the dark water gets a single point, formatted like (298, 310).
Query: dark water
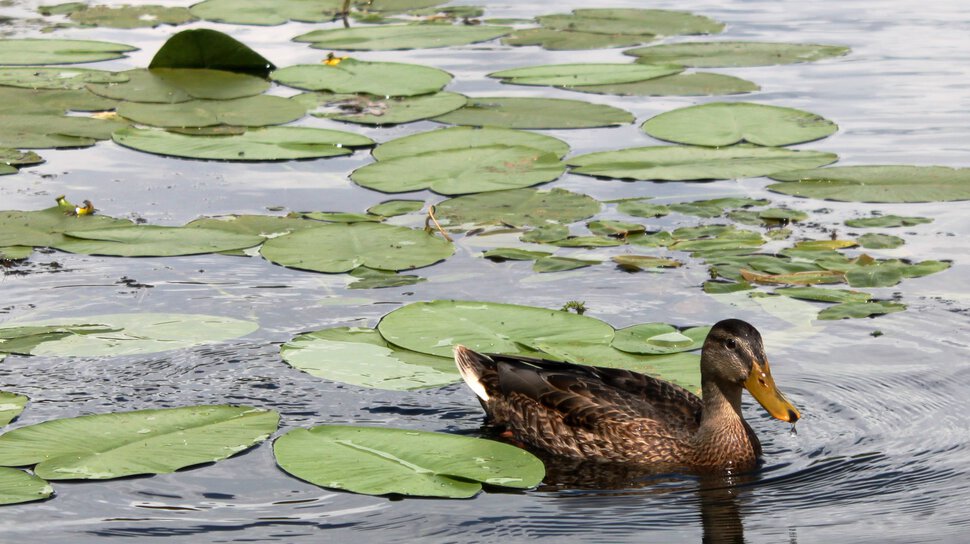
(881, 455)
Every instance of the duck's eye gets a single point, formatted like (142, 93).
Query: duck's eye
(731, 343)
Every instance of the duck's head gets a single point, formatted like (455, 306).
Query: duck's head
(734, 354)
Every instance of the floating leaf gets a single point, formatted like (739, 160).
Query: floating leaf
(361, 357)
(154, 241)
(641, 208)
(854, 310)
(17, 486)
(14, 158)
(467, 137)
(266, 12)
(412, 36)
(885, 221)
(340, 217)
(103, 446)
(355, 76)
(714, 207)
(636, 263)
(680, 368)
(266, 226)
(45, 228)
(501, 254)
(697, 84)
(393, 208)
(379, 461)
(436, 327)
(824, 295)
(725, 53)
(822, 245)
(893, 183)
(567, 40)
(50, 131)
(880, 241)
(535, 113)
(588, 241)
(131, 334)
(35, 77)
(173, 85)
(560, 264)
(371, 278)
(460, 171)
(570, 75)
(619, 229)
(341, 247)
(659, 339)
(518, 208)
(680, 163)
(130, 16)
(374, 110)
(262, 144)
(15, 253)
(552, 232)
(252, 111)
(722, 287)
(807, 277)
(718, 124)
(20, 101)
(210, 49)
(35, 51)
(11, 405)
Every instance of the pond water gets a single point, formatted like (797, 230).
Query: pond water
(881, 454)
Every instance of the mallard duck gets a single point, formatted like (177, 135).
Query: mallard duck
(615, 415)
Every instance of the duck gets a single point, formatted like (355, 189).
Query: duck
(614, 415)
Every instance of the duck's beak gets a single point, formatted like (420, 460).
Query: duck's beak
(763, 389)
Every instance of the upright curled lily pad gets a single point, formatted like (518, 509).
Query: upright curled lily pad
(518, 208)
(535, 113)
(35, 77)
(467, 137)
(376, 110)
(154, 241)
(460, 171)
(341, 247)
(357, 76)
(436, 327)
(259, 144)
(725, 123)
(380, 461)
(681, 163)
(721, 54)
(571, 75)
(173, 85)
(17, 486)
(659, 339)
(251, 111)
(696, 84)
(361, 357)
(203, 48)
(389, 37)
(11, 404)
(27, 51)
(104, 446)
(891, 183)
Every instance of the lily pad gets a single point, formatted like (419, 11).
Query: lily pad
(467, 137)
(734, 53)
(54, 131)
(535, 113)
(203, 48)
(885, 221)
(104, 446)
(436, 327)
(461, 171)
(173, 85)
(341, 247)
(266, 226)
(36, 77)
(697, 84)
(393, 208)
(807, 277)
(140, 16)
(659, 339)
(681, 368)
(135, 334)
(27, 51)
(251, 111)
(361, 357)
(45, 228)
(340, 217)
(553, 263)
(411, 36)
(22, 340)
(356, 76)
(154, 241)
(636, 263)
(892, 183)
(262, 144)
(266, 12)
(641, 208)
(680, 163)
(719, 124)
(568, 40)
(618, 229)
(824, 295)
(12, 159)
(880, 241)
(633, 21)
(501, 254)
(588, 241)
(11, 405)
(855, 310)
(374, 110)
(570, 75)
(17, 486)
(371, 278)
(379, 461)
(518, 208)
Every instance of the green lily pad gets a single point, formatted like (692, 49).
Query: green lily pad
(552, 232)
(21, 101)
(886, 221)
(681, 163)
(568, 40)
(633, 21)
(266, 226)
(130, 16)
(436, 327)
(37, 77)
(379, 461)
(535, 113)
(570, 75)
(893, 183)
(681, 368)
(361, 357)
(619, 229)
(697, 84)
(45, 228)
(266, 12)
(371, 278)
(641, 208)
(806, 277)
(553, 263)
(411, 36)
(719, 124)
(262, 144)
(824, 295)
(888, 273)
(461, 171)
(588, 241)
(203, 48)
(723, 287)
(11, 405)
(134, 334)
(251, 111)
(501, 254)
(154, 241)
(104, 446)
(15, 253)
(173, 85)
(714, 207)
(14, 158)
(518, 208)
(22, 340)
(374, 110)
(17, 486)
(880, 241)
(464, 138)
(54, 131)
(636, 263)
(341, 247)
(340, 217)
(659, 339)
(734, 53)
(393, 208)
(27, 51)
(855, 310)
(356, 76)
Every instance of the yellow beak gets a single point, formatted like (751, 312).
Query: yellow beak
(762, 387)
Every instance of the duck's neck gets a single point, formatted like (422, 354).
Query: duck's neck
(723, 433)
